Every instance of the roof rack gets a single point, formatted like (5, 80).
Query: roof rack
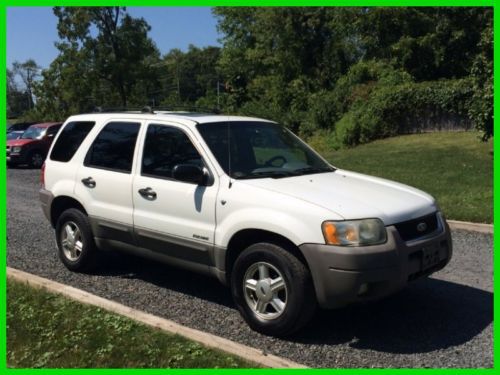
(155, 110)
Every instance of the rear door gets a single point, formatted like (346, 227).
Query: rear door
(178, 218)
(104, 181)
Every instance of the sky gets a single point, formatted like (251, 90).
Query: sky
(32, 31)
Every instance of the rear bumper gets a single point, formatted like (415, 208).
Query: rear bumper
(46, 199)
(345, 275)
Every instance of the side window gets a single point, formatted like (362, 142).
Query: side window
(164, 148)
(114, 147)
(70, 140)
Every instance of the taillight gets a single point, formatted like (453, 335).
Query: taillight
(42, 176)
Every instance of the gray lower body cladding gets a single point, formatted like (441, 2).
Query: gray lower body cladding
(190, 254)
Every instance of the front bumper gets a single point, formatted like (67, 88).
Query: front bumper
(16, 158)
(345, 275)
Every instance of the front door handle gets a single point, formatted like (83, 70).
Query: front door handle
(148, 193)
(89, 182)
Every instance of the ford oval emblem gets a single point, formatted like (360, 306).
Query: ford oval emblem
(421, 227)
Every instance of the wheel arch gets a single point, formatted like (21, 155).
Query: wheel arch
(62, 203)
(246, 237)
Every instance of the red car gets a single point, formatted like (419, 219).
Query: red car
(32, 147)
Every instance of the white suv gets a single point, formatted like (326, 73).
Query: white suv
(242, 199)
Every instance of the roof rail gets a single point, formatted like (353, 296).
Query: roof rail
(153, 110)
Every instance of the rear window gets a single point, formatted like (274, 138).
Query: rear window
(70, 140)
(113, 149)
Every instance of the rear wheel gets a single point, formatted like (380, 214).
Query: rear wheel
(75, 241)
(272, 289)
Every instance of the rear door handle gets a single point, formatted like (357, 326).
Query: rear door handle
(148, 193)
(89, 182)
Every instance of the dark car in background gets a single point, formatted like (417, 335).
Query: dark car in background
(32, 147)
(20, 126)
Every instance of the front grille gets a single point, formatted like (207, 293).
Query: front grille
(8, 150)
(412, 229)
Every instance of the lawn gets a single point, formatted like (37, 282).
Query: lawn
(46, 330)
(455, 167)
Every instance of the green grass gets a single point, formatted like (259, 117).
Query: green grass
(456, 168)
(47, 330)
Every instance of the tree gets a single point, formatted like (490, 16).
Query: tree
(280, 61)
(105, 59)
(119, 52)
(481, 111)
(28, 71)
(17, 101)
(275, 58)
(189, 76)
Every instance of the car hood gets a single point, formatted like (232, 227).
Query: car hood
(18, 142)
(353, 195)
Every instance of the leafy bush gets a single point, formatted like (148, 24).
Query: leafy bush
(410, 107)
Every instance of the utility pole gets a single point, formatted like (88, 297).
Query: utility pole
(218, 92)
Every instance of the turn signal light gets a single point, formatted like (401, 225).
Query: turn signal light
(330, 233)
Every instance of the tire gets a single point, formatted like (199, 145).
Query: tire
(35, 159)
(277, 312)
(77, 251)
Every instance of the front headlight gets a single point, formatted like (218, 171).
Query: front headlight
(354, 232)
(16, 149)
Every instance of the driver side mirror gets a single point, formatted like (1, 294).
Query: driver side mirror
(189, 173)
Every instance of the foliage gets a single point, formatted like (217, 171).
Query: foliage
(105, 59)
(20, 99)
(389, 110)
(481, 110)
(189, 76)
(315, 67)
(46, 330)
(354, 73)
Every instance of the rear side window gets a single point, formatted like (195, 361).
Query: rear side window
(113, 148)
(70, 140)
(164, 148)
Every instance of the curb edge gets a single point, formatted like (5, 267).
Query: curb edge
(465, 225)
(207, 339)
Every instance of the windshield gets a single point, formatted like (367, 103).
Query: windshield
(260, 149)
(33, 133)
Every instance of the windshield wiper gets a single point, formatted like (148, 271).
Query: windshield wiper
(309, 170)
(272, 174)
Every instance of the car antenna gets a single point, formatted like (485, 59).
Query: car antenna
(229, 153)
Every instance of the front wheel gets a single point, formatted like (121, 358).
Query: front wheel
(35, 159)
(272, 289)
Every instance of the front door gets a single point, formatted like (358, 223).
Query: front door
(173, 217)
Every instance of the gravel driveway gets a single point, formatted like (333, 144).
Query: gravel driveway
(443, 321)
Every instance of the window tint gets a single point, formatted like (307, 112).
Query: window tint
(164, 148)
(114, 147)
(70, 140)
